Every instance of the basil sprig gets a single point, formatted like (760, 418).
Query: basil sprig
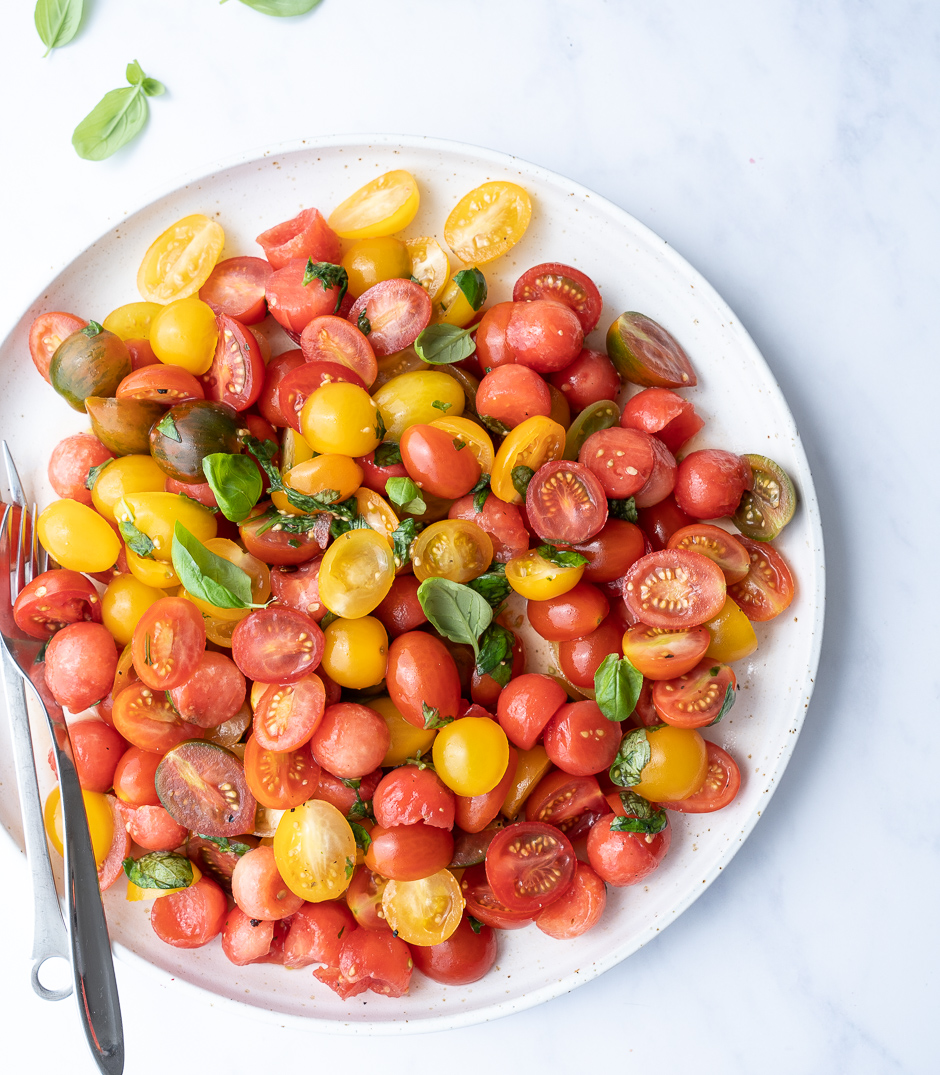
(363, 323)
(92, 329)
(494, 425)
(57, 22)
(404, 494)
(283, 9)
(117, 117)
(642, 816)
(617, 686)
(473, 285)
(633, 755)
(167, 426)
(235, 481)
(159, 869)
(403, 537)
(361, 834)
(329, 275)
(442, 344)
(225, 845)
(207, 576)
(561, 557)
(432, 717)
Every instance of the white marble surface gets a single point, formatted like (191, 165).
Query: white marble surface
(790, 152)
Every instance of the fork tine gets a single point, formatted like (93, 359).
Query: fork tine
(13, 479)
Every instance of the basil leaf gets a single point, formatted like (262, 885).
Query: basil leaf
(160, 869)
(521, 476)
(363, 323)
(617, 686)
(455, 611)
(494, 425)
(622, 509)
(265, 451)
(480, 492)
(338, 527)
(117, 117)
(57, 22)
(442, 344)
(388, 454)
(459, 444)
(167, 427)
(642, 815)
(725, 705)
(136, 539)
(350, 868)
(225, 845)
(380, 427)
(329, 275)
(492, 584)
(473, 285)
(432, 717)
(93, 473)
(402, 539)
(561, 557)
(406, 495)
(207, 576)
(444, 407)
(633, 755)
(283, 9)
(235, 481)
(92, 329)
(363, 839)
(475, 924)
(495, 658)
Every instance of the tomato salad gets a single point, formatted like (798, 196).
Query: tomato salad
(292, 591)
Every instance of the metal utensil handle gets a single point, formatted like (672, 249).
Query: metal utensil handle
(92, 965)
(49, 934)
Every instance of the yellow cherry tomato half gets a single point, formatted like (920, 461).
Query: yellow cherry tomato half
(355, 652)
(534, 442)
(337, 473)
(407, 741)
(424, 912)
(180, 260)
(677, 767)
(488, 221)
(538, 579)
(356, 573)
(128, 474)
(471, 755)
(409, 399)
(123, 602)
(475, 437)
(185, 334)
(77, 537)
(429, 264)
(454, 549)
(382, 207)
(733, 636)
(374, 509)
(100, 822)
(315, 851)
(156, 515)
(132, 321)
(341, 419)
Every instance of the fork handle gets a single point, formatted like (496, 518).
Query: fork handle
(50, 938)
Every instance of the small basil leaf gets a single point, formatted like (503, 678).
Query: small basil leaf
(136, 539)
(726, 704)
(388, 454)
(405, 494)
(455, 611)
(633, 755)
(153, 88)
(475, 924)
(432, 717)
(444, 407)
(92, 329)
(265, 451)
(521, 476)
(283, 9)
(93, 473)
(473, 285)
(492, 584)
(363, 323)
(134, 73)
(207, 576)
(329, 275)
(561, 557)
(403, 537)
(235, 481)
(494, 425)
(363, 839)
(443, 344)
(167, 426)
(113, 122)
(617, 686)
(338, 527)
(480, 492)
(622, 509)
(57, 22)
(160, 869)
(495, 658)
(642, 816)
(225, 845)
(380, 427)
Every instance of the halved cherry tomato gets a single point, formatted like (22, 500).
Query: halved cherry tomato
(560, 798)
(578, 612)
(235, 288)
(299, 384)
(552, 280)
(526, 705)
(510, 394)
(483, 904)
(397, 311)
(580, 658)
(580, 740)
(710, 483)
(148, 719)
(306, 235)
(69, 465)
(134, 777)
(474, 813)
(269, 403)
(277, 645)
(674, 588)
(488, 221)
(768, 588)
(53, 600)
(438, 461)
(203, 786)
(277, 546)
(696, 698)
(237, 373)
(663, 414)
(369, 960)
(288, 714)
(180, 260)
(717, 544)
(46, 333)
(722, 783)
(533, 443)
(538, 579)
(382, 207)
(579, 909)
(529, 865)
(660, 653)
(565, 502)
(280, 779)
(502, 521)
(81, 660)
(334, 339)
(429, 265)
(169, 641)
(160, 384)
(258, 888)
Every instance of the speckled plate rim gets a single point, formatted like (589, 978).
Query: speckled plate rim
(809, 506)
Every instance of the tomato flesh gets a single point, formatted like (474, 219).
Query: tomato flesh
(203, 787)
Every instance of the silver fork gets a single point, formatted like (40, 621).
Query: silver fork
(89, 945)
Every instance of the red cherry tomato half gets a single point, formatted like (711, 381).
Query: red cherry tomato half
(53, 600)
(660, 653)
(400, 609)
(578, 612)
(717, 544)
(192, 917)
(566, 285)
(276, 645)
(152, 828)
(722, 783)
(421, 672)
(287, 714)
(674, 588)
(350, 741)
(141, 354)
(134, 777)
(492, 347)
(581, 657)
(483, 904)
(398, 311)
(662, 520)
(529, 865)
(560, 797)
(269, 402)
(696, 698)
(578, 910)
(511, 394)
(306, 235)
(160, 384)
(96, 750)
(237, 373)
(474, 812)
(280, 780)
(148, 720)
(169, 641)
(768, 588)
(45, 335)
(298, 587)
(235, 288)
(526, 704)
(565, 502)
(503, 522)
(335, 340)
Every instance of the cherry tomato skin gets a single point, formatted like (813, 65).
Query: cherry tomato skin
(306, 235)
(288, 714)
(695, 698)
(153, 829)
(580, 658)
(674, 588)
(334, 340)
(622, 460)
(45, 335)
(465, 957)
(53, 600)
(246, 939)
(580, 740)
(160, 384)
(560, 798)
(409, 852)
(710, 483)
(485, 690)
(578, 910)
(565, 503)
(409, 794)
(563, 284)
(529, 865)
(316, 933)
(662, 520)
(474, 812)
(722, 784)
(291, 303)
(575, 613)
(277, 645)
(483, 904)
(492, 346)
(96, 750)
(169, 641)
(147, 720)
(141, 354)
(81, 660)
(625, 858)
(364, 899)
(298, 587)
(589, 379)
(70, 462)
(612, 551)
(510, 394)
(134, 777)
(664, 414)
(269, 402)
(350, 741)
(235, 288)
(398, 312)
(213, 694)
(400, 610)
(299, 384)
(259, 889)
(192, 917)
(422, 671)
(435, 463)
(503, 522)
(375, 961)
(768, 588)
(526, 704)
(375, 477)
(544, 335)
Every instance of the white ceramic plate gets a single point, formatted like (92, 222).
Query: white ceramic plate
(745, 412)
